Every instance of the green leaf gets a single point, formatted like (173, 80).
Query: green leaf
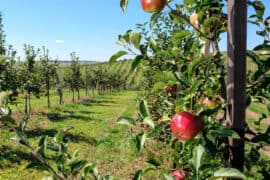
(143, 108)
(136, 62)
(140, 141)
(126, 121)
(229, 173)
(168, 177)
(149, 121)
(23, 123)
(153, 43)
(4, 96)
(225, 132)
(88, 168)
(259, 8)
(123, 4)
(59, 136)
(3, 59)
(180, 35)
(154, 19)
(60, 161)
(165, 117)
(267, 21)
(117, 55)
(77, 166)
(138, 175)
(151, 160)
(254, 154)
(197, 157)
(261, 138)
(53, 147)
(135, 39)
(42, 146)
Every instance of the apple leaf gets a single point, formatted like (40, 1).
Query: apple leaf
(262, 138)
(123, 4)
(197, 157)
(135, 39)
(177, 37)
(23, 123)
(77, 166)
(4, 98)
(225, 132)
(3, 59)
(143, 107)
(138, 175)
(126, 121)
(259, 8)
(168, 177)
(117, 55)
(154, 19)
(140, 141)
(228, 173)
(136, 62)
(149, 121)
(89, 168)
(42, 146)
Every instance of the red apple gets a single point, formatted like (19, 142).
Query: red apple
(179, 174)
(185, 125)
(193, 19)
(209, 103)
(153, 5)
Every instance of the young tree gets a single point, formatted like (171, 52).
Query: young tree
(30, 78)
(48, 71)
(73, 78)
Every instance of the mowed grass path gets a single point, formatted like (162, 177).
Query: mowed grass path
(96, 134)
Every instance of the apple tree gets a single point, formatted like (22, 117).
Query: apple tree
(73, 78)
(185, 73)
(30, 77)
(48, 70)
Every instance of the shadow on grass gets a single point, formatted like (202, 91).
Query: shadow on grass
(10, 156)
(72, 137)
(58, 117)
(94, 102)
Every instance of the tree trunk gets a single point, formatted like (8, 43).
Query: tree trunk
(78, 94)
(27, 103)
(48, 92)
(60, 99)
(73, 95)
(86, 91)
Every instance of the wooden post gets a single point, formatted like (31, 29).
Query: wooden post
(237, 41)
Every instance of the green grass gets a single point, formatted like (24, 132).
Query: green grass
(96, 134)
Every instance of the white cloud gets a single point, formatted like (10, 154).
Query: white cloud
(59, 41)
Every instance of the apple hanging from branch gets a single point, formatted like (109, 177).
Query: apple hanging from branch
(153, 6)
(193, 19)
(185, 125)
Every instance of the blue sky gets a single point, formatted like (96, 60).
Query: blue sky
(88, 27)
